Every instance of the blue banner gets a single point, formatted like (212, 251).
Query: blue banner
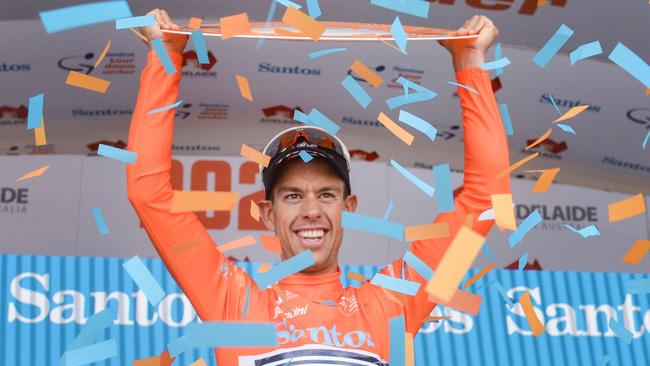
(44, 301)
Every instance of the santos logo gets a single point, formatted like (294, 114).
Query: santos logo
(297, 70)
(5, 67)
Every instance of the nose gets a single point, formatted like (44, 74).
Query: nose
(311, 208)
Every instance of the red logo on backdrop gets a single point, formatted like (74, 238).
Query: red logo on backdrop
(550, 146)
(95, 145)
(281, 111)
(535, 266)
(191, 58)
(13, 112)
(529, 7)
(364, 155)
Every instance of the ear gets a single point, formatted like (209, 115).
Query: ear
(351, 203)
(266, 209)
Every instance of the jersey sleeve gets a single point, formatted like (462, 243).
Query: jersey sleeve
(217, 289)
(485, 155)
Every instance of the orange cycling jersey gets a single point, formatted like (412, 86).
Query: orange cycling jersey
(318, 320)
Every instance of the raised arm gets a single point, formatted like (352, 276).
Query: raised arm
(190, 255)
(486, 154)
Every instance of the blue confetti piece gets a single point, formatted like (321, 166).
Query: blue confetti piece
(630, 62)
(286, 268)
(173, 105)
(530, 222)
(224, 334)
(99, 221)
(248, 294)
(605, 361)
(418, 265)
(313, 8)
(289, 3)
(618, 328)
(503, 294)
(357, 92)
(585, 232)
(505, 117)
(35, 111)
(496, 64)
(585, 51)
(553, 45)
(93, 328)
(133, 22)
(442, 175)
(321, 53)
(396, 284)
(498, 55)
(554, 104)
(422, 94)
(70, 17)
(424, 186)
(144, 279)
(200, 47)
(398, 33)
(355, 221)
(267, 22)
(329, 303)
(566, 128)
(389, 209)
(114, 153)
(90, 354)
(488, 252)
(397, 344)
(522, 262)
(163, 56)
(419, 124)
(419, 8)
(318, 119)
(305, 156)
(638, 286)
(645, 140)
(463, 86)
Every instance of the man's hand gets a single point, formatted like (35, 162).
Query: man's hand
(471, 52)
(174, 42)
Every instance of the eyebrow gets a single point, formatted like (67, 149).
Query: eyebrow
(287, 189)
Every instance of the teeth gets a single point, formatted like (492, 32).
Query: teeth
(311, 234)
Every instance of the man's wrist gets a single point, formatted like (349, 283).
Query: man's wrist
(467, 58)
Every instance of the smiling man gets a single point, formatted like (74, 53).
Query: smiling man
(318, 321)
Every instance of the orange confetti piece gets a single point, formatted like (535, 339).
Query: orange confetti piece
(195, 23)
(103, 54)
(504, 213)
(454, 264)
(435, 318)
(479, 275)
(408, 348)
(237, 243)
(426, 231)
(392, 46)
(540, 139)
(517, 165)
(185, 247)
(199, 362)
(626, 208)
(393, 127)
(356, 276)
(303, 23)
(81, 80)
(234, 25)
(463, 301)
(139, 35)
(34, 173)
(367, 74)
(544, 181)
(164, 359)
(39, 135)
(637, 252)
(647, 91)
(185, 201)
(279, 292)
(254, 155)
(535, 325)
(392, 296)
(572, 113)
(244, 88)
(264, 267)
(271, 243)
(255, 211)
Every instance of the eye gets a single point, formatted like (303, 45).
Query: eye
(328, 195)
(292, 197)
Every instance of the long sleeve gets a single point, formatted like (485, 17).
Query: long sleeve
(216, 288)
(486, 154)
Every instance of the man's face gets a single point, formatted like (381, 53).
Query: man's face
(306, 212)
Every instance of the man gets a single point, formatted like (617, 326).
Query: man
(319, 321)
